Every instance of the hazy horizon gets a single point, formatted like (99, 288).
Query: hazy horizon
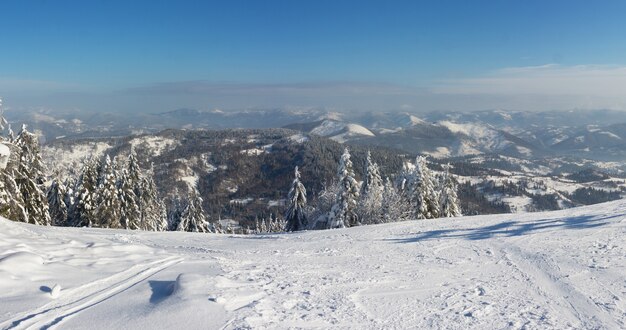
(156, 56)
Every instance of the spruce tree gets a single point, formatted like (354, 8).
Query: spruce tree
(29, 176)
(343, 214)
(192, 217)
(422, 194)
(108, 211)
(11, 199)
(175, 211)
(394, 207)
(432, 193)
(372, 199)
(82, 210)
(295, 215)
(449, 202)
(153, 211)
(57, 194)
(130, 203)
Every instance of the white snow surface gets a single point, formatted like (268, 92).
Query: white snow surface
(340, 131)
(328, 128)
(552, 270)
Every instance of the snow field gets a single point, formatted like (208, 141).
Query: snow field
(551, 270)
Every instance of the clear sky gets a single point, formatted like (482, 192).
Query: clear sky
(346, 55)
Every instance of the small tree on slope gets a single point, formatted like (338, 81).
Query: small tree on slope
(448, 200)
(57, 194)
(372, 199)
(295, 215)
(131, 213)
(153, 210)
(82, 210)
(11, 199)
(192, 217)
(109, 208)
(343, 213)
(421, 191)
(30, 178)
(394, 207)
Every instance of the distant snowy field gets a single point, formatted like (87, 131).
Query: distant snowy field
(564, 269)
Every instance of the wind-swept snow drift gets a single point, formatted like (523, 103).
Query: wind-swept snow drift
(564, 269)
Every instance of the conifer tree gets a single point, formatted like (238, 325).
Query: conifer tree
(132, 190)
(192, 217)
(371, 203)
(448, 201)
(82, 210)
(257, 225)
(320, 212)
(432, 192)
(343, 214)
(295, 215)
(175, 211)
(29, 177)
(108, 211)
(130, 203)
(423, 196)
(57, 194)
(394, 207)
(216, 227)
(264, 227)
(11, 199)
(153, 209)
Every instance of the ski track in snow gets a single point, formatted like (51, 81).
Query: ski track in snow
(87, 296)
(551, 270)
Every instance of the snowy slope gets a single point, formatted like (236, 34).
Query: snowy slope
(340, 131)
(557, 270)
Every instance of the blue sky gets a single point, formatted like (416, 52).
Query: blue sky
(346, 55)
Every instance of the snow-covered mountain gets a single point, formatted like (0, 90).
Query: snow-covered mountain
(334, 129)
(596, 134)
(553, 270)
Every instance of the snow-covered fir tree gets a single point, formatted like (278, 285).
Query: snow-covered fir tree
(404, 178)
(448, 199)
(130, 202)
(29, 176)
(131, 190)
(264, 228)
(153, 210)
(319, 210)
(175, 209)
(295, 216)
(216, 227)
(11, 199)
(193, 217)
(82, 210)
(432, 191)
(422, 194)
(57, 197)
(108, 210)
(372, 198)
(343, 214)
(394, 207)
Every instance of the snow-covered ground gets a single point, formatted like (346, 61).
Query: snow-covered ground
(564, 269)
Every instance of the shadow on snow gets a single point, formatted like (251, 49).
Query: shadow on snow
(512, 228)
(161, 290)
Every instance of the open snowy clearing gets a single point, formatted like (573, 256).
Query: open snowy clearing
(564, 269)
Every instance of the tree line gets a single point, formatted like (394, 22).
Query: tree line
(416, 193)
(118, 193)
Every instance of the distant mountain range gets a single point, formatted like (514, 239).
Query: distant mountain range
(599, 135)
